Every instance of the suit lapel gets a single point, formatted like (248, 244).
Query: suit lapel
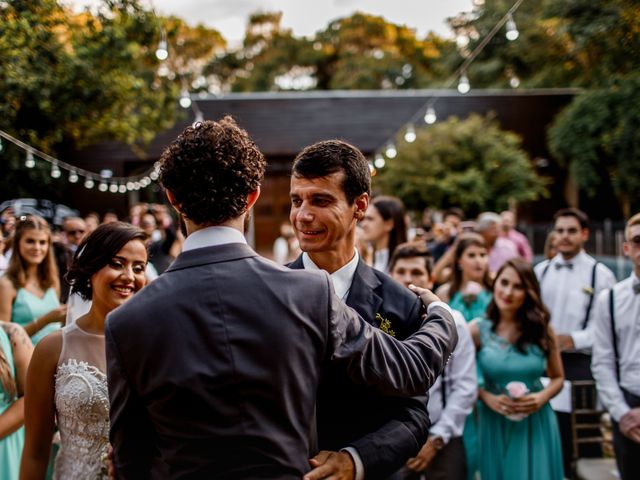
(363, 295)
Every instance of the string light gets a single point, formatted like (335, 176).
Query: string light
(409, 135)
(103, 187)
(113, 188)
(391, 151)
(379, 162)
(430, 116)
(122, 189)
(88, 183)
(463, 85)
(185, 99)
(73, 177)
(514, 81)
(162, 53)
(512, 30)
(29, 162)
(55, 171)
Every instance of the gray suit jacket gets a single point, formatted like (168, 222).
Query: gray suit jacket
(213, 367)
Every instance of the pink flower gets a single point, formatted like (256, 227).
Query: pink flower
(517, 389)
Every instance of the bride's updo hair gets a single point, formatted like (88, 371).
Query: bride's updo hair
(96, 251)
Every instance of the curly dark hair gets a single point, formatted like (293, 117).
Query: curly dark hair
(211, 168)
(533, 317)
(96, 251)
(331, 156)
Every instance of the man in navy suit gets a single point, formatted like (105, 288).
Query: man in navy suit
(213, 368)
(375, 434)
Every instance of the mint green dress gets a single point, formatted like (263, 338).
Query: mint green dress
(470, 310)
(10, 446)
(528, 449)
(27, 307)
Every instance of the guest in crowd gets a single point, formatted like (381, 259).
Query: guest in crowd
(570, 282)
(15, 353)
(446, 232)
(508, 223)
(285, 247)
(74, 229)
(91, 221)
(616, 357)
(384, 226)
(550, 249)
(66, 383)
(500, 249)
(30, 290)
(452, 397)
(518, 432)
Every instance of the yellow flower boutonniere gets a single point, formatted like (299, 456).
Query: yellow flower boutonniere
(385, 325)
(587, 290)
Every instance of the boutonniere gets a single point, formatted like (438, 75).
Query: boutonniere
(587, 290)
(385, 325)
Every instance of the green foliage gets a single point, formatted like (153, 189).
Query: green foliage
(471, 163)
(598, 136)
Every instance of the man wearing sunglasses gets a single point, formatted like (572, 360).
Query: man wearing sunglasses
(616, 357)
(74, 230)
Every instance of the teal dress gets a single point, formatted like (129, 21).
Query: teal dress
(27, 307)
(10, 446)
(528, 449)
(470, 310)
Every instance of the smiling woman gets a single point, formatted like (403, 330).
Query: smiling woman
(69, 366)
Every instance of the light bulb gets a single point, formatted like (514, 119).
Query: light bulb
(391, 151)
(153, 175)
(185, 99)
(73, 177)
(122, 189)
(514, 81)
(512, 30)
(430, 116)
(113, 188)
(409, 135)
(463, 84)
(88, 183)
(130, 186)
(103, 187)
(30, 161)
(162, 53)
(55, 171)
(379, 162)
(136, 185)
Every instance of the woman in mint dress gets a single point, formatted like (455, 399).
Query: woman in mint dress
(518, 431)
(469, 292)
(30, 289)
(15, 353)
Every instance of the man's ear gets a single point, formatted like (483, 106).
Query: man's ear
(252, 198)
(362, 203)
(172, 200)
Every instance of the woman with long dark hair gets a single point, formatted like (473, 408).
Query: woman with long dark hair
(384, 227)
(518, 431)
(30, 289)
(67, 382)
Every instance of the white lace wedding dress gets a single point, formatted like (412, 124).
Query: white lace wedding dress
(82, 406)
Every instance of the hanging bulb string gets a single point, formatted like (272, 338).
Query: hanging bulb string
(59, 164)
(430, 103)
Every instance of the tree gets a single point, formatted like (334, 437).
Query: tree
(471, 163)
(598, 137)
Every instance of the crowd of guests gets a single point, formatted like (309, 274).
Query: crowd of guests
(524, 332)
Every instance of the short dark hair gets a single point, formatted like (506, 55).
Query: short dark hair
(412, 250)
(211, 168)
(579, 215)
(96, 251)
(454, 211)
(332, 156)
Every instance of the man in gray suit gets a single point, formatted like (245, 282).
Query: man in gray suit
(213, 368)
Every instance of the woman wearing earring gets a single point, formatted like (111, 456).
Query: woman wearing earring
(518, 430)
(67, 376)
(15, 353)
(30, 289)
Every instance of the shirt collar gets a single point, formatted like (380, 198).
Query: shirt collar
(575, 260)
(341, 278)
(213, 236)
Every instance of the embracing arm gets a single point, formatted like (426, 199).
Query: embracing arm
(7, 296)
(131, 433)
(40, 407)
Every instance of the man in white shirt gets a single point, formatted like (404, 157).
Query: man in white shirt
(452, 397)
(569, 282)
(616, 357)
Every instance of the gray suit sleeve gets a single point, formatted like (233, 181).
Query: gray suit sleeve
(131, 433)
(394, 367)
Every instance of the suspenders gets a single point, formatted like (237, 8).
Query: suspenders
(614, 338)
(593, 287)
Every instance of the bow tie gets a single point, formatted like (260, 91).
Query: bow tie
(636, 287)
(562, 265)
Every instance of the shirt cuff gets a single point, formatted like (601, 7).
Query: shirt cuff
(582, 339)
(439, 304)
(357, 461)
(434, 431)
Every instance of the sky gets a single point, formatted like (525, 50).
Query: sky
(306, 17)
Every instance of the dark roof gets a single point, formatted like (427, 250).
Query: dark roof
(283, 123)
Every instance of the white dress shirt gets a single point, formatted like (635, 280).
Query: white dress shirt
(627, 321)
(381, 260)
(566, 293)
(461, 384)
(212, 236)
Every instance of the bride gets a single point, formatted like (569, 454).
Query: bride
(67, 375)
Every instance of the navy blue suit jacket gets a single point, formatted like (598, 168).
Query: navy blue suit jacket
(385, 430)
